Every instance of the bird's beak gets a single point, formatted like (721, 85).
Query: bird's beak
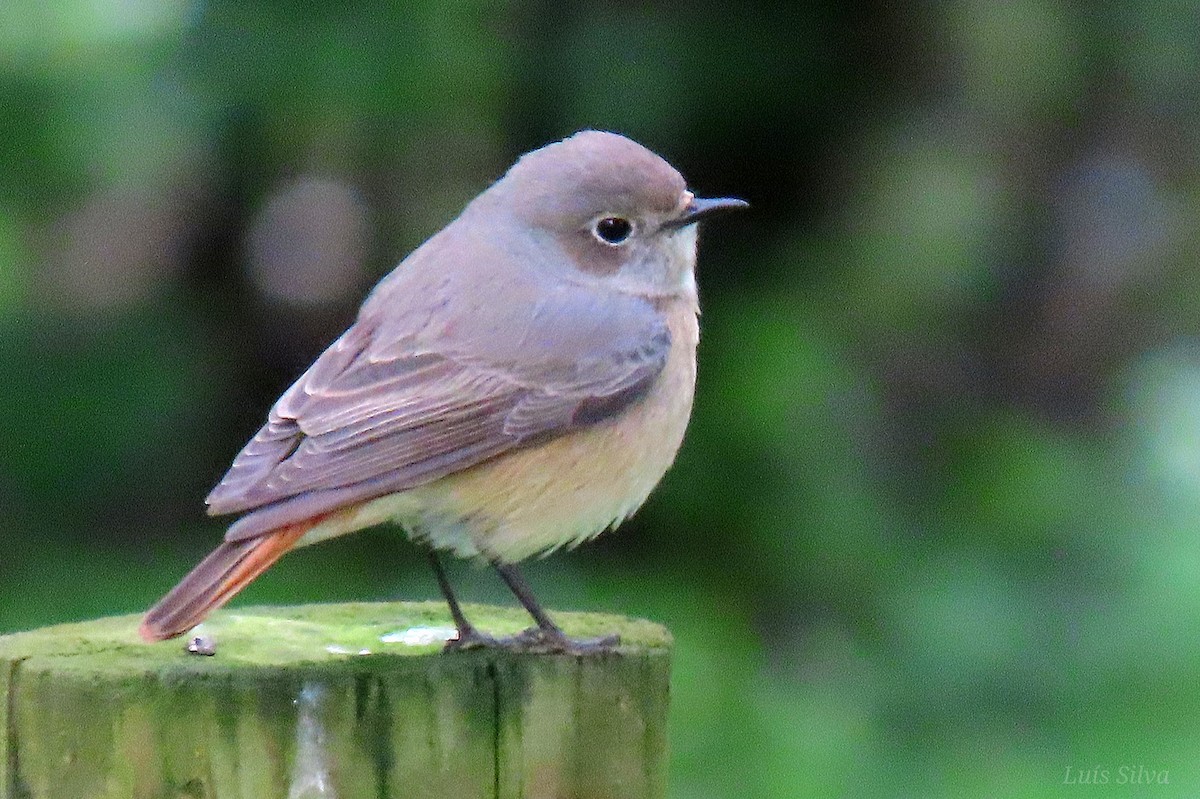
(698, 209)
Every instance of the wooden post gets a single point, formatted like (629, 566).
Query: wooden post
(324, 701)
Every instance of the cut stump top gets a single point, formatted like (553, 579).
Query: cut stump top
(309, 635)
(332, 700)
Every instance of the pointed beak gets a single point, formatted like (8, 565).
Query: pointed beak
(699, 209)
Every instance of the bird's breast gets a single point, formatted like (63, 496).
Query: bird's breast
(571, 488)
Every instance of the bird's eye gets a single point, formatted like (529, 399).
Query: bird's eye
(613, 229)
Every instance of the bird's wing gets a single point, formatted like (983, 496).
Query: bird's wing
(386, 409)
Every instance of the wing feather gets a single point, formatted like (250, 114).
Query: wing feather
(385, 408)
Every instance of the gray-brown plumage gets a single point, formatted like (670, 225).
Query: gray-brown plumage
(518, 383)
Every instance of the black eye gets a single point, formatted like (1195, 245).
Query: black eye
(613, 229)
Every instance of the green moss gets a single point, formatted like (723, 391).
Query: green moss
(280, 636)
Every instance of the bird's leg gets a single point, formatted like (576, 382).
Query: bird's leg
(468, 636)
(546, 636)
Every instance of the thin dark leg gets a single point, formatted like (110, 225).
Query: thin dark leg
(460, 621)
(524, 594)
(547, 636)
(468, 636)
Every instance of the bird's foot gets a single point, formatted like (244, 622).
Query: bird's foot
(470, 638)
(543, 640)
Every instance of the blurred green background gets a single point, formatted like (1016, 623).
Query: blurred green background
(936, 528)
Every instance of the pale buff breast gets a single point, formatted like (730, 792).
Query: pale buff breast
(571, 488)
(559, 493)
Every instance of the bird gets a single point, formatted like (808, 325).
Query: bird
(519, 383)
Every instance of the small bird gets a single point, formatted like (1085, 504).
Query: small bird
(519, 383)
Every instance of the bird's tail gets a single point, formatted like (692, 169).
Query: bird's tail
(216, 579)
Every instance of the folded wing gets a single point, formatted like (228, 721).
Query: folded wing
(387, 408)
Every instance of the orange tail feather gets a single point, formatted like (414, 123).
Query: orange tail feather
(216, 579)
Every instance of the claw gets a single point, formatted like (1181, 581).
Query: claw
(470, 638)
(535, 640)
(554, 641)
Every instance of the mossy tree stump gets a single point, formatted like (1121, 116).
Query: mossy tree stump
(341, 701)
